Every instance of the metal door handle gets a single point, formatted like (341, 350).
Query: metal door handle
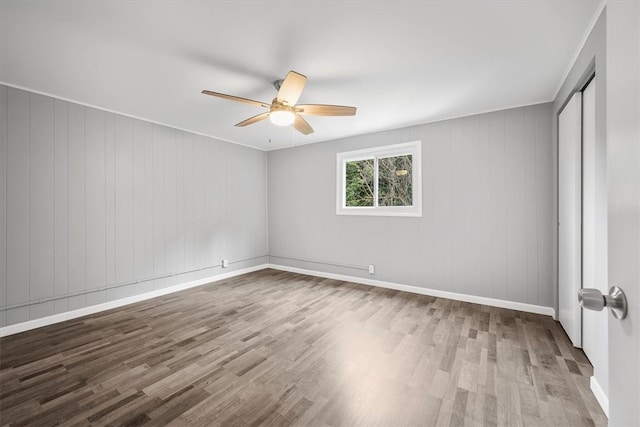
(615, 301)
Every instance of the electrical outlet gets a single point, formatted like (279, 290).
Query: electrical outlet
(372, 269)
(225, 263)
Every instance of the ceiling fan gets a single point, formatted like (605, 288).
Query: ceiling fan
(283, 110)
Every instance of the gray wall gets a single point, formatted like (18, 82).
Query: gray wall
(488, 209)
(91, 200)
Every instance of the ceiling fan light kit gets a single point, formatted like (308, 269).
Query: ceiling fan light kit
(282, 117)
(283, 110)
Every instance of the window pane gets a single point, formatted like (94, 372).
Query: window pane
(359, 183)
(394, 181)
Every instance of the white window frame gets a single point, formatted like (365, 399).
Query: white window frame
(414, 148)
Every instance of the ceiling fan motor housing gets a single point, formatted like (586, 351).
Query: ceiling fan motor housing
(278, 83)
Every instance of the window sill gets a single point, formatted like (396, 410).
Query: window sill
(378, 212)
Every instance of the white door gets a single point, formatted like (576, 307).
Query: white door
(623, 187)
(569, 218)
(594, 233)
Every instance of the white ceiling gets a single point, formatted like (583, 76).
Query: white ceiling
(399, 62)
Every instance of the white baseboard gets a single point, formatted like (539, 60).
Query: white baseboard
(61, 317)
(68, 315)
(530, 308)
(600, 395)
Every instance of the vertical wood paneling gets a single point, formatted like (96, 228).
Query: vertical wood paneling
(442, 204)
(473, 213)
(545, 205)
(212, 167)
(257, 223)
(76, 200)
(531, 215)
(60, 305)
(76, 302)
(39, 310)
(277, 211)
(485, 161)
(148, 204)
(516, 214)
(158, 204)
(124, 199)
(170, 198)
(17, 199)
(264, 228)
(487, 224)
(457, 229)
(17, 315)
(110, 197)
(275, 160)
(224, 171)
(90, 199)
(3, 202)
(314, 201)
(61, 204)
(180, 202)
(139, 200)
(237, 208)
(497, 195)
(124, 209)
(426, 250)
(95, 139)
(41, 209)
(189, 199)
(97, 297)
(199, 217)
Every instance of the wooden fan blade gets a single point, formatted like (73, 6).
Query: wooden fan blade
(254, 119)
(302, 126)
(291, 88)
(236, 98)
(325, 110)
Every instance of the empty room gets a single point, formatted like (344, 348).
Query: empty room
(320, 213)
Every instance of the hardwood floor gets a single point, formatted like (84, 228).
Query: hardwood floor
(276, 348)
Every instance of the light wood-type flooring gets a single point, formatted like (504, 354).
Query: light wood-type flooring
(277, 348)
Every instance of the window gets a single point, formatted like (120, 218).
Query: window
(380, 181)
